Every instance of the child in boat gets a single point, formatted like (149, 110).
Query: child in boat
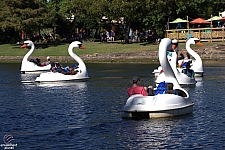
(47, 62)
(170, 89)
(58, 68)
(189, 72)
(71, 71)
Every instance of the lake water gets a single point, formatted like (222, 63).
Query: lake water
(88, 115)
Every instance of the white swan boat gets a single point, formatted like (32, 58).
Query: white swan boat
(196, 64)
(182, 78)
(161, 105)
(30, 67)
(55, 76)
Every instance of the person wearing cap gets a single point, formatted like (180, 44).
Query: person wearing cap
(47, 62)
(136, 89)
(189, 72)
(38, 61)
(174, 45)
(174, 48)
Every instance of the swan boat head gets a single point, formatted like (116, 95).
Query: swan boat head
(28, 43)
(82, 73)
(82, 67)
(168, 74)
(28, 66)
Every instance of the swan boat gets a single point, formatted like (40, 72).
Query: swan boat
(30, 67)
(160, 105)
(82, 73)
(182, 78)
(196, 64)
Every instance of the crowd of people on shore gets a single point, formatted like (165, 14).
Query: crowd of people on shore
(149, 36)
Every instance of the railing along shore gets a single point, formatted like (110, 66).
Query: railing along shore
(204, 34)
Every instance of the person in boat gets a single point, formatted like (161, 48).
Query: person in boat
(187, 56)
(37, 61)
(170, 89)
(189, 72)
(47, 62)
(71, 71)
(58, 68)
(136, 89)
(52, 66)
(181, 57)
(174, 47)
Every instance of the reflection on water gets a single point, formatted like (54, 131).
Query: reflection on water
(75, 84)
(88, 115)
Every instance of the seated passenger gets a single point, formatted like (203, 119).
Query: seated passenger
(58, 68)
(181, 57)
(174, 48)
(36, 61)
(136, 89)
(52, 66)
(71, 71)
(189, 72)
(47, 62)
(187, 56)
(170, 89)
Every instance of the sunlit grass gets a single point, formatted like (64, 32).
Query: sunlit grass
(62, 49)
(91, 48)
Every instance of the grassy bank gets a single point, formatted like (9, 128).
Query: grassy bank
(61, 49)
(91, 48)
(13, 52)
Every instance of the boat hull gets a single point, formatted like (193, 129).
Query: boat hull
(160, 114)
(29, 67)
(162, 105)
(156, 72)
(55, 77)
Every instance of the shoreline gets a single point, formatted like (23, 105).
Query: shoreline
(214, 54)
(106, 59)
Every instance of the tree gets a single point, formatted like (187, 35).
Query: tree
(24, 15)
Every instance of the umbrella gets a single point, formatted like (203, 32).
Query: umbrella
(214, 18)
(178, 20)
(199, 21)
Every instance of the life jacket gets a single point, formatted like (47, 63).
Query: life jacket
(162, 87)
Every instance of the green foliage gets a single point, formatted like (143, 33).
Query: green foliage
(28, 15)
(33, 15)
